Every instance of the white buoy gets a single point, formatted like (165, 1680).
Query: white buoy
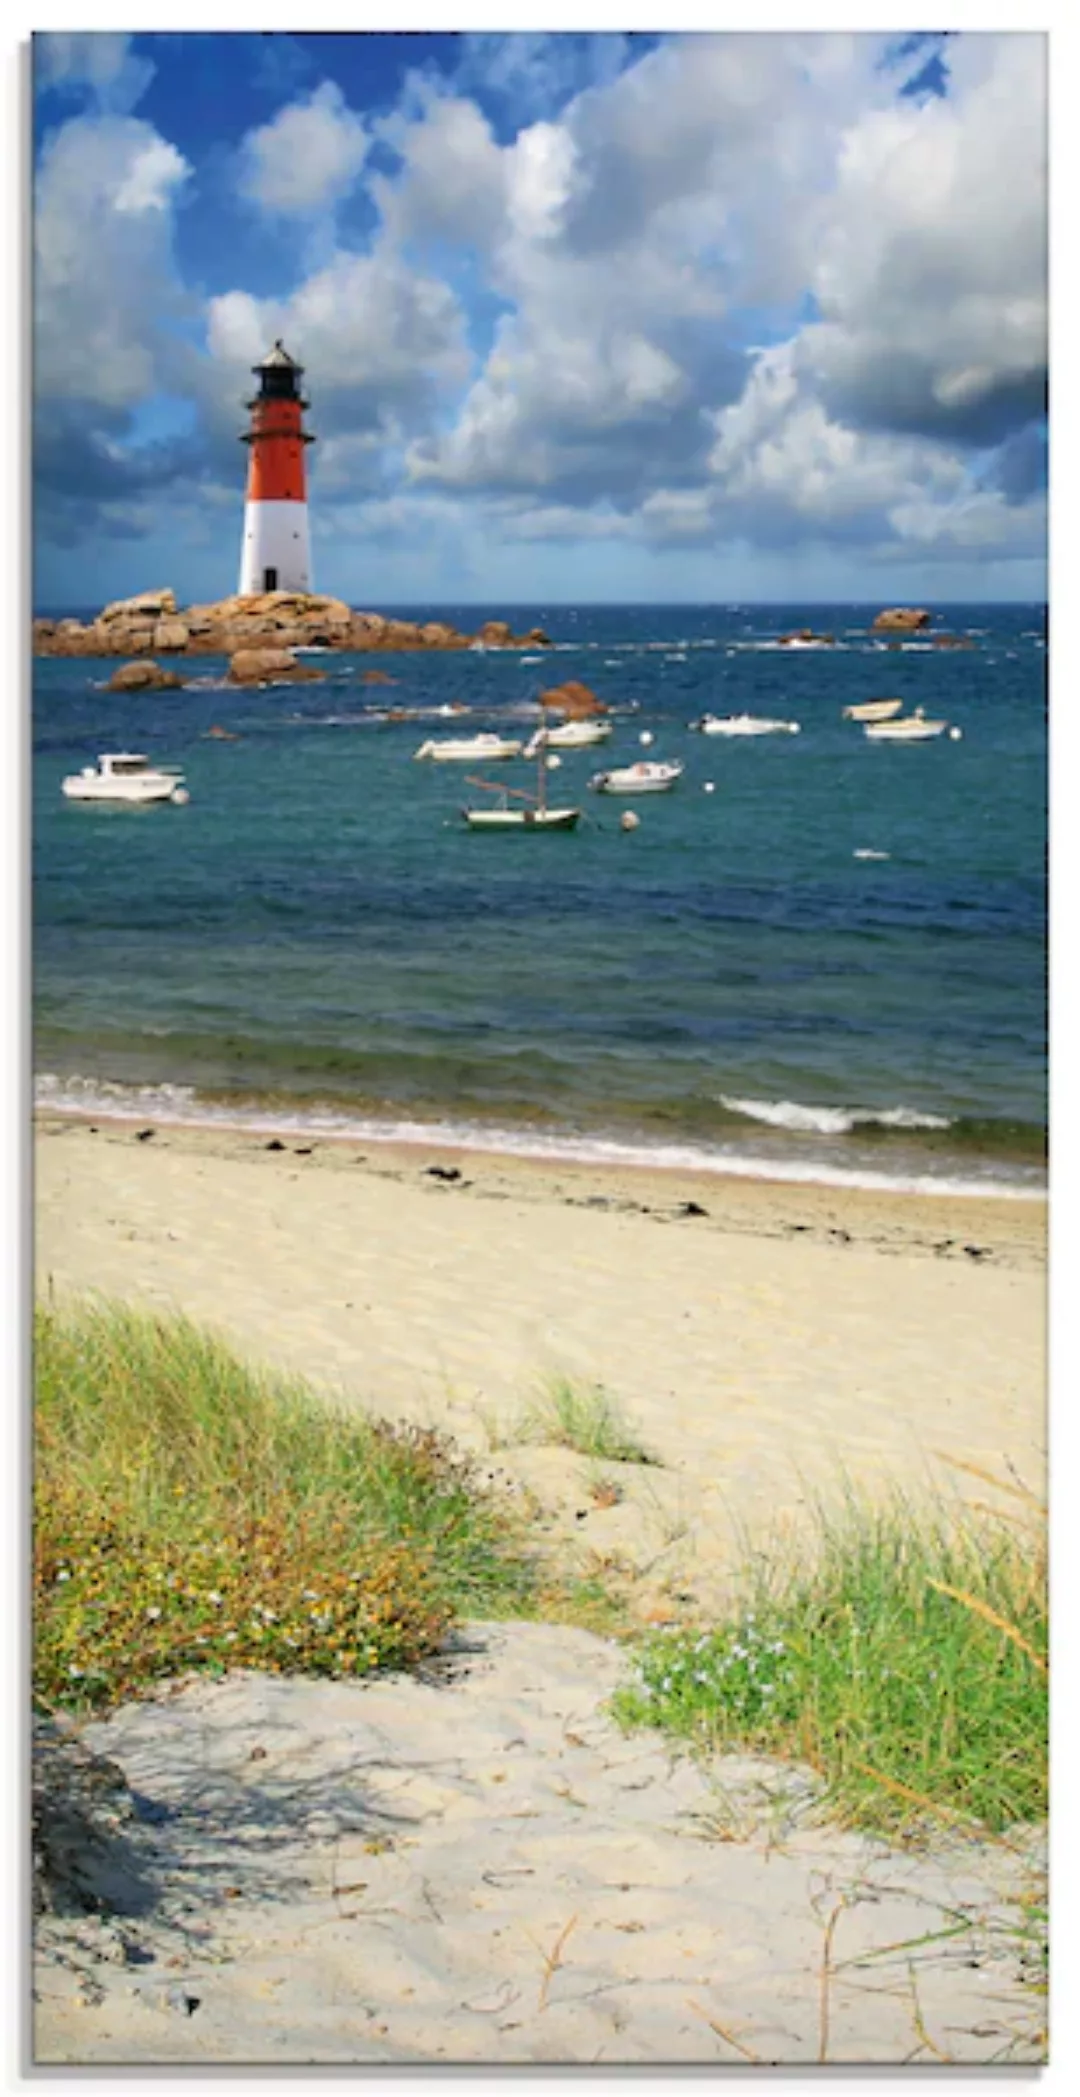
(645, 738)
(709, 787)
(553, 762)
(629, 819)
(956, 735)
(180, 795)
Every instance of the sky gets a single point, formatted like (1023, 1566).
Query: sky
(584, 317)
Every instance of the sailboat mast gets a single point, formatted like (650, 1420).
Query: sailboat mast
(541, 786)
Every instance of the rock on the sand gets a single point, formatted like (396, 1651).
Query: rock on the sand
(476, 1864)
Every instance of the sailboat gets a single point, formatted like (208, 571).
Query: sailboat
(535, 815)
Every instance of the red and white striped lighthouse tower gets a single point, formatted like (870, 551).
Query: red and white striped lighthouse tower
(276, 553)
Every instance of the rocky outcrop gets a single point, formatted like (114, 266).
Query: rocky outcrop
(144, 677)
(576, 702)
(152, 623)
(804, 637)
(901, 620)
(271, 666)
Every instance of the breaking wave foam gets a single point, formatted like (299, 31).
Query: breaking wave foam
(107, 1100)
(831, 1121)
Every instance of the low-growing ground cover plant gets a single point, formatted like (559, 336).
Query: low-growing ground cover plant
(193, 1512)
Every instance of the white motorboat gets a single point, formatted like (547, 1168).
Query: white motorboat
(125, 775)
(569, 735)
(744, 724)
(874, 710)
(911, 728)
(646, 777)
(464, 749)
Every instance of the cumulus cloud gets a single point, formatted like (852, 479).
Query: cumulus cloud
(930, 281)
(96, 65)
(307, 158)
(764, 289)
(104, 275)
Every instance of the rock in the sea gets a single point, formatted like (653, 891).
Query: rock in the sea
(804, 635)
(150, 604)
(274, 619)
(171, 635)
(270, 666)
(900, 619)
(573, 700)
(144, 677)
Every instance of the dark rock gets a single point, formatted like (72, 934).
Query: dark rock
(442, 1172)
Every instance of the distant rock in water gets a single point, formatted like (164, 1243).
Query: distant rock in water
(573, 700)
(900, 620)
(146, 676)
(278, 619)
(271, 666)
(804, 637)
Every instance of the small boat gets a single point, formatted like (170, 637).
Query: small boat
(744, 724)
(646, 777)
(569, 735)
(125, 775)
(912, 728)
(465, 748)
(874, 710)
(534, 814)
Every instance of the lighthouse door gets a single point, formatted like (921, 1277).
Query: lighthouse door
(269, 578)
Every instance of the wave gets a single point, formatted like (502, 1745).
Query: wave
(831, 1121)
(80, 1097)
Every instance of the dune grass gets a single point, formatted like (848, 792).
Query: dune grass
(194, 1512)
(585, 1418)
(903, 1656)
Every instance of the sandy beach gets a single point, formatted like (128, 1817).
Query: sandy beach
(761, 1339)
(475, 1864)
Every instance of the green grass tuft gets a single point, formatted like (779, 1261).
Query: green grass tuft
(194, 1512)
(919, 1707)
(585, 1418)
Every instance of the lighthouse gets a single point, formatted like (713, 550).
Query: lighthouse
(276, 552)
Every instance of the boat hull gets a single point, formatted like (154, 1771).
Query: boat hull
(629, 783)
(132, 796)
(746, 724)
(903, 732)
(469, 753)
(522, 818)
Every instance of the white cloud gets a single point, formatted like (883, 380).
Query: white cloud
(104, 273)
(307, 158)
(97, 63)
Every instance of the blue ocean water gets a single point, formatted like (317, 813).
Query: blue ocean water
(317, 940)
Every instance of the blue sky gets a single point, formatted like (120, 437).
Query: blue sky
(584, 317)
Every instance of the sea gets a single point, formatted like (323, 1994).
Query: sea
(817, 958)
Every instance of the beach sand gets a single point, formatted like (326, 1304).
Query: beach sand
(478, 1866)
(474, 1864)
(788, 1336)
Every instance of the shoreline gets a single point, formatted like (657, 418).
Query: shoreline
(552, 1150)
(764, 1202)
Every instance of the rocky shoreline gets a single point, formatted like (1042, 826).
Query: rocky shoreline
(152, 624)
